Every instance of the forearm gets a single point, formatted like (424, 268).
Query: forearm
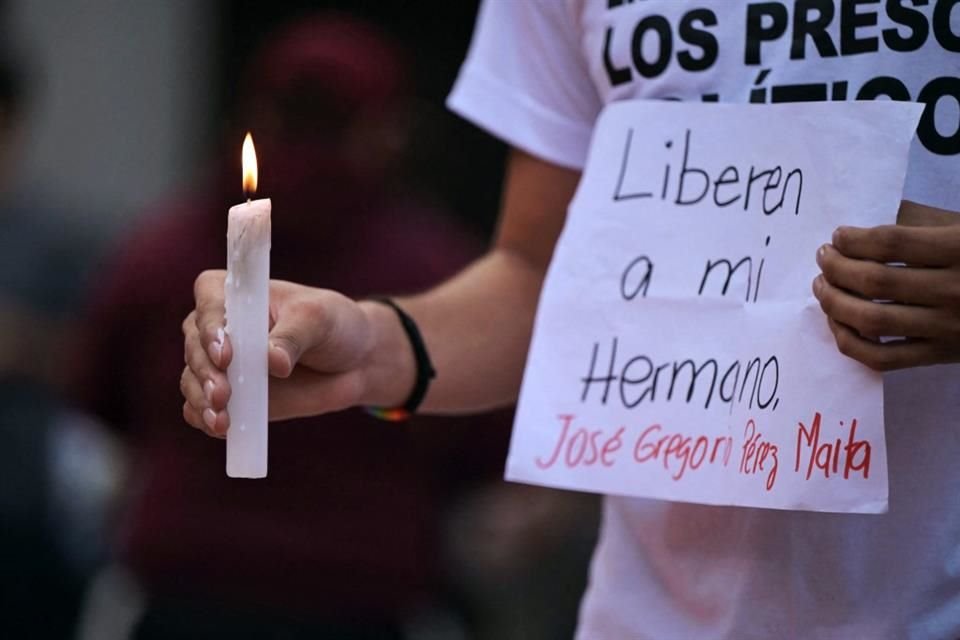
(476, 327)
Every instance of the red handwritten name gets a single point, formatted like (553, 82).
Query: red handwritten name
(583, 446)
(826, 456)
(681, 453)
(756, 453)
(678, 449)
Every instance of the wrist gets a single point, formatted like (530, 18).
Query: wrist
(390, 370)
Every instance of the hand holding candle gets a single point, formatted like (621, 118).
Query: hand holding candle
(247, 301)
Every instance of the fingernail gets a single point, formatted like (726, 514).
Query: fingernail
(208, 387)
(279, 349)
(209, 418)
(216, 347)
(836, 234)
(817, 284)
(821, 252)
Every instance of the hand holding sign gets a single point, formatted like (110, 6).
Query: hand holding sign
(677, 351)
(923, 293)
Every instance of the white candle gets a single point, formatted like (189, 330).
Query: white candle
(247, 296)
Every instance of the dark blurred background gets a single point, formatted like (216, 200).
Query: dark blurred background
(466, 175)
(118, 145)
(128, 99)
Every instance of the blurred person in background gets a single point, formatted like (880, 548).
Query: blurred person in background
(341, 540)
(45, 251)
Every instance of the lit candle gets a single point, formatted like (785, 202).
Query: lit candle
(247, 296)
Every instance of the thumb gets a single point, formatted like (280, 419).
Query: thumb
(919, 215)
(320, 330)
(302, 322)
(285, 348)
(282, 355)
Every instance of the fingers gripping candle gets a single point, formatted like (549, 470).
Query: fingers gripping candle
(247, 297)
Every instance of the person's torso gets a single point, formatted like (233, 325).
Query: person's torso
(722, 572)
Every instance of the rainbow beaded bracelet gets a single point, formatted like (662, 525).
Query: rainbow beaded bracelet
(425, 370)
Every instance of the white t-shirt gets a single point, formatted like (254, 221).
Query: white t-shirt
(537, 75)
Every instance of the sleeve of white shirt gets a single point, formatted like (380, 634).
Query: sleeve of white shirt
(525, 80)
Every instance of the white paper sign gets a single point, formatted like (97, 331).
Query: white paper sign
(678, 351)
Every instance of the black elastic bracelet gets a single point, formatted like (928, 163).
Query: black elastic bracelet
(425, 370)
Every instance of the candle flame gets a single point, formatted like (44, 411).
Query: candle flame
(249, 157)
